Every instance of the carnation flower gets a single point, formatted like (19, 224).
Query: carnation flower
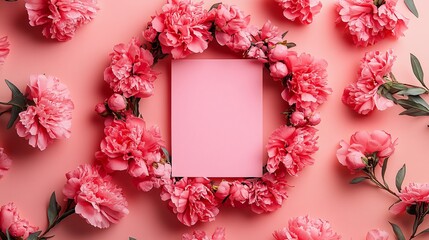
(98, 200)
(48, 117)
(268, 193)
(368, 21)
(292, 148)
(130, 71)
(363, 147)
(5, 162)
(376, 234)
(300, 10)
(4, 49)
(192, 200)
(412, 194)
(183, 28)
(60, 18)
(306, 228)
(219, 234)
(11, 221)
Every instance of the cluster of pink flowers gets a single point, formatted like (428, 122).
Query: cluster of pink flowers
(11, 222)
(60, 18)
(48, 116)
(364, 147)
(362, 96)
(300, 10)
(4, 49)
(369, 21)
(306, 228)
(412, 194)
(265, 39)
(5, 162)
(219, 234)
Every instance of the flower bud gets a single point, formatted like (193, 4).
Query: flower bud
(278, 70)
(223, 190)
(278, 53)
(297, 118)
(117, 102)
(314, 119)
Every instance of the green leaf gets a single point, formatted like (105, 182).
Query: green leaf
(384, 92)
(17, 96)
(166, 154)
(53, 209)
(413, 112)
(383, 171)
(214, 6)
(13, 116)
(398, 232)
(284, 34)
(34, 236)
(290, 44)
(412, 91)
(131, 238)
(424, 231)
(419, 100)
(400, 177)
(412, 7)
(417, 69)
(358, 180)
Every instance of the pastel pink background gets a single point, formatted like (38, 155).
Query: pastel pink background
(321, 190)
(216, 118)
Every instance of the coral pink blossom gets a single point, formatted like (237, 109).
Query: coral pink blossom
(60, 18)
(307, 88)
(300, 10)
(49, 118)
(306, 228)
(117, 102)
(4, 49)
(268, 193)
(10, 221)
(234, 192)
(368, 23)
(130, 71)
(412, 194)
(362, 95)
(219, 234)
(292, 148)
(376, 234)
(363, 145)
(97, 199)
(192, 200)
(5, 162)
(183, 28)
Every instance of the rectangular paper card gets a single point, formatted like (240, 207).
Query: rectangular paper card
(216, 111)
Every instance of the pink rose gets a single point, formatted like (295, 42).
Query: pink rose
(183, 36)
(60, 18)
(363, 145)
(130, 72)
(50, 113)
(98, 200)
(192, 200)
(4, 49)
(11, 221)
(278, 70)
(376, 234)
(268, 193)
(306, 228)
(300, 10)
(412, 194)
(5, 162)
(219, 234)
(117, 102)
(291, 148)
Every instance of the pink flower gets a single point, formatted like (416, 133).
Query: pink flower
(183, 28)
(5, 162)
(4, 49)
(235, 192)
(149, 34)
(307, 88)
(279, 53)
(300, 10)
(268, 193)
(368, 23)
(305, 228)
(101, 109)
(49, 118)
(376, 234)
(292, 148)
(60, 18)
(117, 102)
(159, 174)
(412, 194)
(363, 145)
(11, 221)
(308, 117)
(97, 199)
(192, 200)
(219, 234)
(130, 71)
(278, 70)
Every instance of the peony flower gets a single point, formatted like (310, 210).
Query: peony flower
(11, 221)
(376, 234)
(4, 49)
(300, 10)
(307, 88)
(235, 192)
(278, 53)
(117, 102)
(278, 70)
(367, 21)
(5, 162)
(60, 18)
(130, 71)
(50, 112)
(219, 234)
(412, 194)
(97, 199)
(292, 148)
(268, 193)
(306, 228)
(362, 148)
(183, 28)
(192, 200)
(159, 174)
(265, 39)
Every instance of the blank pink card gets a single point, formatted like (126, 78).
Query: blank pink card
(216, 118)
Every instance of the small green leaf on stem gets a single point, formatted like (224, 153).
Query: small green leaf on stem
(53, 209)
(34, 236)
(412, 7)
(166, 154)
(358, 180)
(214, 6)
(383, 171)
(412, 91)
(424, 231)
(284, 34)
(398, 232)
(417, 69)
(419, 100)
(400, 177)
(290, 44)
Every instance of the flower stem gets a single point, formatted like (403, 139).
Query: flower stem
(374, 179)
(63, 216)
